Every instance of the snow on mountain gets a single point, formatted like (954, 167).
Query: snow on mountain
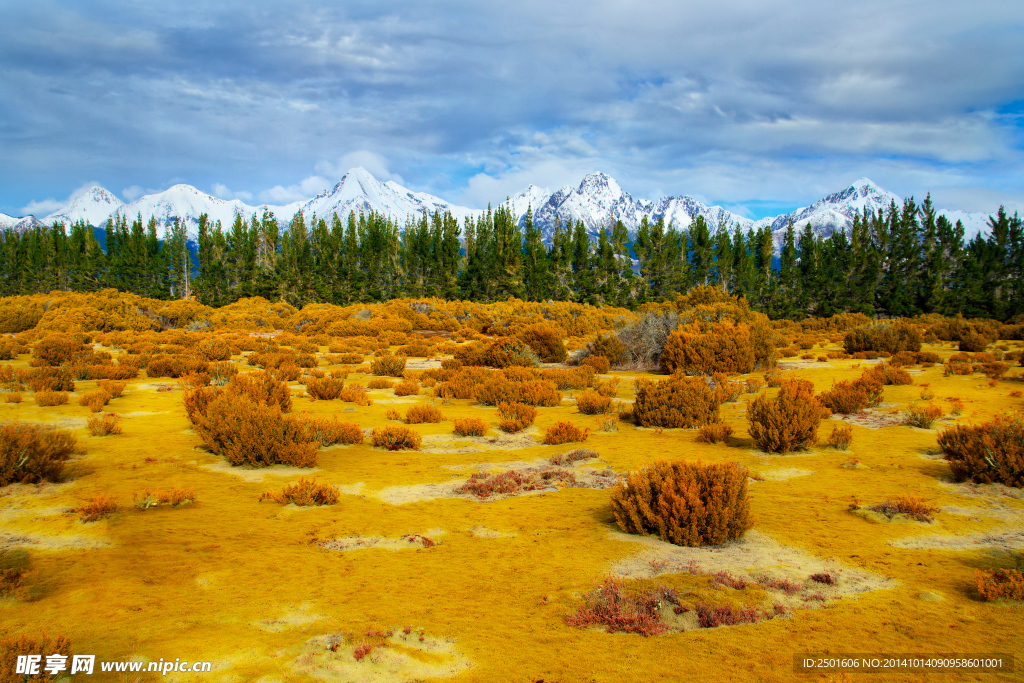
(360, 192)
(92, 204)
(185, 203)
(7, 222)
(974, 222)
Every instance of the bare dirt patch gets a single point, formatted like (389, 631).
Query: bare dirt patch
(872, 418)
(784, 473)
(427, 539)
(452, 443)
(250, 474)
(44, 542)
(400, 656)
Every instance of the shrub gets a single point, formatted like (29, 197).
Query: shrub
(607, 346)
(714, 433)
(407, 387)
(470, 426)
(910, 505)
(388, 365)
(707, 349)
(11, 647)
(485, 485)
(956, 368)
(94, 400)
(55, 349)
(539, 392)
(115, 389)
(994, 370)
(787, 422)
(710, 616)
(379, 383)
(175, 366)
(1000, 583)
(173, 497)
(222, 372)
(515, 417)
(923, 416)
(564, 432)
(104, 426)
(847, 397)
(889, 375)
(883, 338)
(354, 393)
(13, 397)
(50, 398)
(684, 503)
(973, 342)
(213, 349)
(545, 341)
(325, 389)
(289, 372)
(611, 606)
(328, 432)
(591, 403)
(96, 508)
(304, 492)
(841, 437)
(396, 438)
(49, 379)
(675, 402)
(423, 413)
(992, 452)
(261, 387)
(572, 456)
(30, 454)
(753, 385)
(600, 364)
(726, 391)
(506, 352)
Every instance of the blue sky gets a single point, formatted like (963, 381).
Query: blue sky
(757, 106)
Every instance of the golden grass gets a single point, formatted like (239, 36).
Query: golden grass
(492, 606)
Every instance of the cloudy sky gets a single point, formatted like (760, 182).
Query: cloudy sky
(757, 105)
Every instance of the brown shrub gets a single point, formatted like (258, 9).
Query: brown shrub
(956, 368)
(50, 398)
(564, 432)
(419, 414)
(994, 370)
(545, 341)
(11, 647)
(910, 505)
(753, 385)
(707, 349)
(992, 452)
(714, 433)
(103, 426)
(115, 389)
(572, 456)
(611, 606)
(848, 397)
(388, 365)
(923, 416)
(48, 379)
(470, 426)
(999, 583)
(407, 387)
(539, 393)
(30, 454)
(789, 421)
(841, 437)
(608, 346)
(96, 508)
(94, 400)
(484, 485)
(883, 338)
(326, 389)
(889, 375)
(261, 387)
(515, 417)
(213, 349)
(305, 492)
(56, 349)
(175, 366)
(600, 364)
(396, 438)
(13, 397)
(579, 377)
(592, 403)
(354, 393)
(289, 372)
(328, 432)
(684, 503)
(379, 383)
(973, 342)
(675, 402)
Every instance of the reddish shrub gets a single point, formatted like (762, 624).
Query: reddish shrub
(1000, 583)
(611, 606)
(564, 432)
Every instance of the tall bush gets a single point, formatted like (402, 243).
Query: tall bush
(992, 452)
(789, 421)
(707, 349)
(675, 402)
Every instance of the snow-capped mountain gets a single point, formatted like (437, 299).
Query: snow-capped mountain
(359, 191)
(91, 204)
(185, 203)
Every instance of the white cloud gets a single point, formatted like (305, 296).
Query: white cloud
(42, 207)
(371, 161)
(222, 191)
(132, 193)
(304, 189)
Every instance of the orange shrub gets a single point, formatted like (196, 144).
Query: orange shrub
(460, 386)
(675, 402)
(213, 349)
(992, 452)
(305, 492)
(261, 387)
(175, 366)
(47, 379)
(847, 397)
(396, 438)
(883, 338)
(30, 454)
(328, 432)
(325, 389)
(787, 422)
(12, 646)
(714, 433)
(1000, 583)
(608, 346)
(388, 365)
(600, 364)
(423, 413)
(888, 374)
(591, 403)
(94, 400)
(564, 432)
(103, 426)
(96, 508)
(289, 372)
(13, 397)
(515, 417)
(545, 341)
(173, 497)
(50, 398)
(572, 378)
(113, 388)
(407, 387)
(923, 416)
(973, 342)
(707, 349)
(956, 368)
(910, 505)
(379, 383)
(841, 437)
(55, 349)
(684, 503)
(470, 426)
(994, 370)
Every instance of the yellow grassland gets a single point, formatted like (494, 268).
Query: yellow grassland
(244, 584)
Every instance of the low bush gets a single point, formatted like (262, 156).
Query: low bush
(992, 452)
(714, 433)
(994, 370)
(56, 349)
(222, 372)
(325, 389)
(889, 375)
(841, 437)
(175, 366)
(48, 379)
(883, 338)
(923, 416)
(545, 341)
(675, 402)
(173, 497)
(618, 610)
(485, 485)
(515, 417)
(1000, 583)
(419, 414)
(726, 391)
(753, 385)
(103, 425)
(96, 508)
(305, 492)
(469, 426)
(848, 397)
(213, 349)
(952, 368)
(973, 343)
(600, 364)
(14, 646)
(261, 387)
(30, 454)
(607, 346)
(330, 431)
(94, 400)
(388, 365)
(13, 397)
(910, 505)
(789, 421)
(590, 402)
(115, 389)
(379, 383)
(396, 438)
(564, 432)
(50, 398)
(572, 456)
(539, 393)
(684, 503)
(407, 387)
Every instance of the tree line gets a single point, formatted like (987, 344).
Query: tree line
(902, 261)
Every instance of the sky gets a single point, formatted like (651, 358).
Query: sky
(758, 106)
